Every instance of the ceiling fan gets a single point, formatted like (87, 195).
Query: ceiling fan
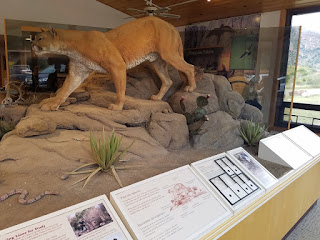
(155, 10)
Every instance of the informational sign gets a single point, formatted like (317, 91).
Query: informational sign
(262, 175)
(173, 205)
(94, 219)
(281, 150)
(305, 138)
(232, 183)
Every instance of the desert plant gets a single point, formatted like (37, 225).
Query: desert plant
(252, 132)
(106, 154)
(5, 127)
(196, 119)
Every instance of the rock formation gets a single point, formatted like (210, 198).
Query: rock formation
(155, 126)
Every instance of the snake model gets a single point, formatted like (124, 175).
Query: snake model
(23, 194)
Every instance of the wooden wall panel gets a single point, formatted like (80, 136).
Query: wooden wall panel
(202, 10)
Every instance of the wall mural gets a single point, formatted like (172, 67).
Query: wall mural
(226, 47)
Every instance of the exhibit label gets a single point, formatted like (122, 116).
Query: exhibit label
(173, 205)
(91, 220)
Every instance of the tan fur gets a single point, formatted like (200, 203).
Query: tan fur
(145, 39)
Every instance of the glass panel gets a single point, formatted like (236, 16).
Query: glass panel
(250, 58)
(34, 73)
(307, 89)
(302, 116)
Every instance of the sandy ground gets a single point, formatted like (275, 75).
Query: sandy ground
(27, 175)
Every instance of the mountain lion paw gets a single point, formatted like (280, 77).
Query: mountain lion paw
(115, 107)
(50, 104)
(155, 98)
(189, 88)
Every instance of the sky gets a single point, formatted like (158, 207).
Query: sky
(309, 22)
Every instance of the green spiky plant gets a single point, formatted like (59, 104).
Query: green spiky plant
(196, 119)
(252, 132)
(5, 127)
(106, 155)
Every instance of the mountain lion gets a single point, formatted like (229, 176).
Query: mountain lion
(145, 39)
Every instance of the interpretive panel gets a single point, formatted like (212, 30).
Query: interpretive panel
(305, 138)
(94, 219)
(279, 149)
(170, 206)
(231, 182)
(262, 175)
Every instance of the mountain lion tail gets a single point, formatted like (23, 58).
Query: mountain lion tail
(180, 48)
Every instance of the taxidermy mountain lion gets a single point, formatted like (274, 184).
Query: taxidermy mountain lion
(145, 39)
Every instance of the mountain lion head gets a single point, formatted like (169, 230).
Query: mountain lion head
(46, 42)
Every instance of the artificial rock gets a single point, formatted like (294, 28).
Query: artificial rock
(251, 113)
(150, 124)
(35, 125)
(13, 113)
(204, 87)
(170, 130)
(230, 101)
(220, 132)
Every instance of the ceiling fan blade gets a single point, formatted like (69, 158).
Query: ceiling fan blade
(177, 4)
(169, 15)
(137, 15)
(134, 9)
(150, 3)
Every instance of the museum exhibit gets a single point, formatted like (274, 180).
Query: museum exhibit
(159, 120)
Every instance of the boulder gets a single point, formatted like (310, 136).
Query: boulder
(75, 145)
(34, 126)
(220, 132)
(80, 95)
(13, 113)
(142, 88)
(190, 101)
(145, 107)
(230, 101)
(204, 87)
(251, 113)
(170, 130)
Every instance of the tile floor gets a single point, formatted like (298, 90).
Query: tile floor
(309, 226)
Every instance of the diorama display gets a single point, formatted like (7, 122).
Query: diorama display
(235, 186)
(199, 116)
(173, 205)
(260, 174)
(93, 219)
(281, 150)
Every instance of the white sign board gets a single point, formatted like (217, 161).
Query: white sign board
(260, 174)
(305, 138)
(173, 205)
(279, 149)
(94, 219)
(233, 184)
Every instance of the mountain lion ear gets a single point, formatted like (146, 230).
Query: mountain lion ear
(41, 30)
(53, 31)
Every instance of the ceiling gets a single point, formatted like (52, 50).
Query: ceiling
(202, 10)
